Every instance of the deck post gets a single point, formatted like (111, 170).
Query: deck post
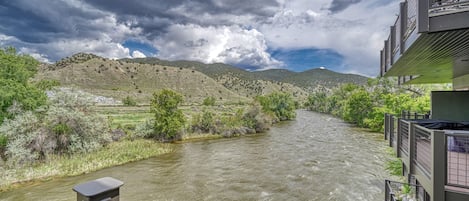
(438, 165)
(391, 130)
(398, 138)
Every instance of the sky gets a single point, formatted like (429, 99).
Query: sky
(340, 35)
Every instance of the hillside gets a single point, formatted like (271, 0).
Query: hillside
(311, 79)
(119, 79)
(139, 78)
(244, 83)
(306, 81)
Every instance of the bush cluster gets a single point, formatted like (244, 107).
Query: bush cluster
(281, 105)
(67, 125)
(366, 105)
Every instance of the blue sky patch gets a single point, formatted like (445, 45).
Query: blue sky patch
(145, 48)
(304, 59)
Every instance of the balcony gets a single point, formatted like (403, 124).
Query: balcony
(434, 153)
(428, 43)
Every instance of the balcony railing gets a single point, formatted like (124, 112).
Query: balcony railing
(414, 18)
(457, 153)
(443, 7)
(437, 158)
(423, 149)
(399, 191)
(404, 136)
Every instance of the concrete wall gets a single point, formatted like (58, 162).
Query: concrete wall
(450, 105)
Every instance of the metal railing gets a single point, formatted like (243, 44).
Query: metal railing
(442, 7)
(457, 157)
(390, 124)
(414, 115)
(423, 149)
(397, 191)
(404, 136)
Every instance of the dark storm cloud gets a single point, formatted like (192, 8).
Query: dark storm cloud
(155, 16)
(34, 21)
(340, 5)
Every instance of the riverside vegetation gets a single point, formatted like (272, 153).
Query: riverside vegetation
(64, 133)
(366, 105)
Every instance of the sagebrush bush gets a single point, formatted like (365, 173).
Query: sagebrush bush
(67, 126)
(129, 101)
(209, 101)
(145, 129)
(204, 123)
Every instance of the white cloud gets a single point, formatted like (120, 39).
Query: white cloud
(357, 32)
(138, 54)
(32, 52)
(225, 44)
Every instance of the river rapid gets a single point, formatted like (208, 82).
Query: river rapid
(315, 157)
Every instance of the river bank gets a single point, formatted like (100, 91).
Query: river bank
(116, 153)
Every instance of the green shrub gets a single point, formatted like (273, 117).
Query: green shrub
(129, 101)
(204, 123)
(169, 120)
(209, 101)
(67, 126)
(47, 84)
(15, 71)
(255, 119)
(280, 104)
(145, 129)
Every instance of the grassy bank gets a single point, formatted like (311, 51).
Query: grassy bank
(116, 153)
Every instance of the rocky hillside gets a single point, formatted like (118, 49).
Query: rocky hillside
(306, 81)
(139, 78)
(119, 79)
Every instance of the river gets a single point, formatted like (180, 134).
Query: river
(315, 157)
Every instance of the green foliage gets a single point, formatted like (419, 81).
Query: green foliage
(47, 84)
(129, 101)
(15, 71)
(281, 105)
(15, 67)
(169, 120)
(209, 101)
(204, 123)
(357, 107)
(394, 166)
(67, 126)
(366, 106)
(255, 119)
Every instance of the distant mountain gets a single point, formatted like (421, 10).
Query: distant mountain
(311, 79)
(139, 78)
(275, 74)
(308, 80)
(244, 83)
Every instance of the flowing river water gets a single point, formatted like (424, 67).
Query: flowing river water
(315, 157)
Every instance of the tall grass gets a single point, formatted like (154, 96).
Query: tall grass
(116, 153)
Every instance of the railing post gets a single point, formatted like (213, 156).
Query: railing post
(438, 165)
(391, 130)
(386, 126)
(398, 138)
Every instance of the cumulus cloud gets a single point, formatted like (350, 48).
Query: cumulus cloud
(221, 44)
(358, 38)
(138, 54)
(236, 32)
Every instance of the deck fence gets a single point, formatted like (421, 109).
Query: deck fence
(457, 153)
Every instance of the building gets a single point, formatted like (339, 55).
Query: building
(429, 43)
